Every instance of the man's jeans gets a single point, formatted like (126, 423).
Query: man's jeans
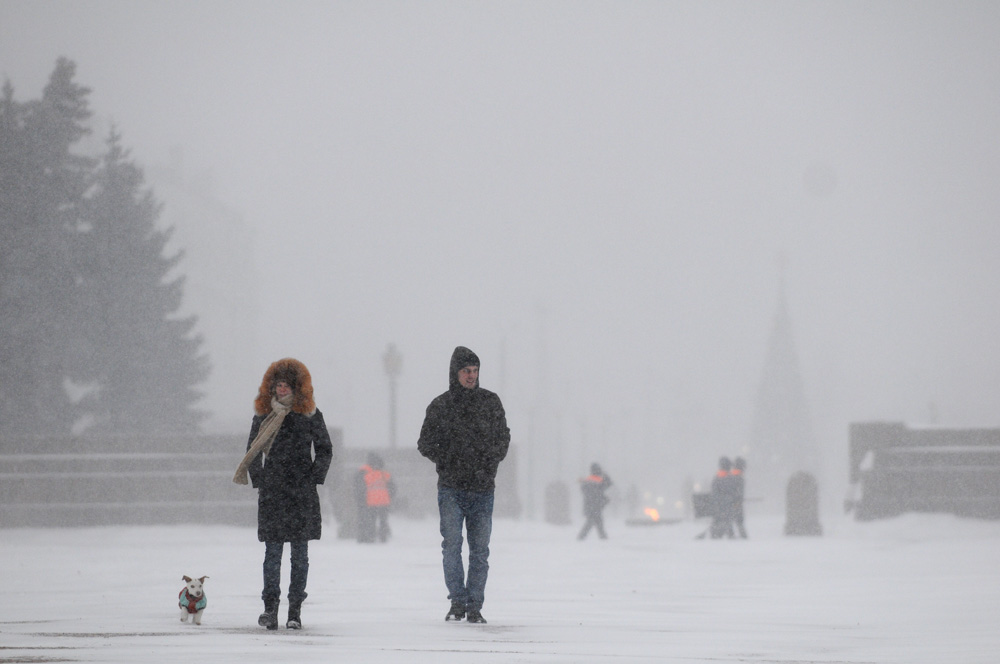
(475, 510)
(272, 571)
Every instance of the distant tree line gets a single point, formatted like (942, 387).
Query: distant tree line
(90, 337)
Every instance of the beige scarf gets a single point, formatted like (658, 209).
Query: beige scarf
(265, 435)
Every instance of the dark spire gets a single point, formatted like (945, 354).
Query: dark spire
(782, 440)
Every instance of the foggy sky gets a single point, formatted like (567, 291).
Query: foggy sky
(599, 198)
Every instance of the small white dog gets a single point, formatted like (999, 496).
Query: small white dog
(192, 599)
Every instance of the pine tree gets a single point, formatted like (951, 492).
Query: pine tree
(88, 300)
(42, 185)
(144, 360)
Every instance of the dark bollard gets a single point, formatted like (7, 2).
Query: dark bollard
(802, 506)
(557, 504)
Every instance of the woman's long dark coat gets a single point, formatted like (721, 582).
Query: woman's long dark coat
(287, 499)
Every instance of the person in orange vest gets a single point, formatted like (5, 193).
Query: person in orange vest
(739, 467)
(375, 491)
(594, 500)
(723, 487)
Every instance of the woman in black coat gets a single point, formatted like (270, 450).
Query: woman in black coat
(288, 455)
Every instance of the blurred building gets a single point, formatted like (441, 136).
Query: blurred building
(220, 287)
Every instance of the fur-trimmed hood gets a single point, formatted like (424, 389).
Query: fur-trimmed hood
(297, 376)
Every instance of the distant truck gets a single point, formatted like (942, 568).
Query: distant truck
(896, 469)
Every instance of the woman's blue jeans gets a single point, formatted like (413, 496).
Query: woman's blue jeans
(474, 509)
(299, 573)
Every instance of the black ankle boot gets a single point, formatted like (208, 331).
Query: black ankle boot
(269, 618)
(294, 617)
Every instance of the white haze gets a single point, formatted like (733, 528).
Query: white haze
(599, 198)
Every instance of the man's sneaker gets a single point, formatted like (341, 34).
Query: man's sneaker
(456, 612)
(476, 617)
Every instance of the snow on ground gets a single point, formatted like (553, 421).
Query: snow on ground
(920, 588)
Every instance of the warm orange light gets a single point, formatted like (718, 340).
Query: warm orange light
(652, 513)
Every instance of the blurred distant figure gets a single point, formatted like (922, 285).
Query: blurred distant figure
(739, 467)
(375, 491)
(723, 492)
(594, 487)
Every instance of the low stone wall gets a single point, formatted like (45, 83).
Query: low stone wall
(126, 480)
(897, 469)
(88, 481)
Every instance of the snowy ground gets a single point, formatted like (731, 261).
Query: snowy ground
(921, 588)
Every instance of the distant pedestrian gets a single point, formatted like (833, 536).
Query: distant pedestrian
(739, 485)
(722, 501)
(465, 434)
(288, 454)
(375, 491)
(594, 488)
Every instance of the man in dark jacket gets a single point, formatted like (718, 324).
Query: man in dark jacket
(723, 491)
(465, 434)
(594, 487)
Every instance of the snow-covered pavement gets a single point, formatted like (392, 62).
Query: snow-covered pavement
(921, 588)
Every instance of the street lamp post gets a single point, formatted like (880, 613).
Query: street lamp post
(393, 362)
